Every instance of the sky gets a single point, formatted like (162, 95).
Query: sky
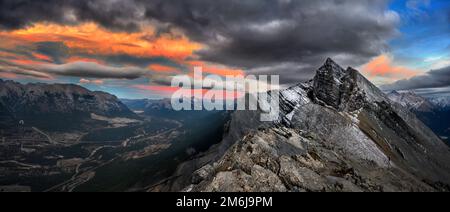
(133, 48)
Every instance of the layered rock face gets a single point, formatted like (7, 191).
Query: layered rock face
(337, 132)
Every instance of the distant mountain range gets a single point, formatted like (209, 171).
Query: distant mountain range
(434, 111)
(442, 102)
(411, 101)
(148, 105)
(415, 102)
(55, 105)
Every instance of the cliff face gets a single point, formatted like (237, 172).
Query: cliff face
(337, 132)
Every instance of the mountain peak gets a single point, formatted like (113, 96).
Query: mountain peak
(328, 81)
(343, 89)
(329, 61)
(394, 92)
(330, 64)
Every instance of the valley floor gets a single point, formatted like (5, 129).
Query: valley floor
(126, 157)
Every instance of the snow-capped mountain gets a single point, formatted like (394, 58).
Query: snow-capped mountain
(442, 102)
(433, 111)
(411, 100)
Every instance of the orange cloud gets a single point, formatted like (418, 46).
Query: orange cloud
(93, 39)
(83, 59)
(7, 75)
(162, 89)
(161, 68)
(216, 69)
(7, 55)
(42, 57)
(382, 66)
(27, 62)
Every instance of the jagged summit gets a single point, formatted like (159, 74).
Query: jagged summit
(328, 82)
(343, 89)
(394, 92)
(330, 62)
(331, 68)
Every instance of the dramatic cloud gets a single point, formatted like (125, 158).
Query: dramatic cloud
(93, 70)
(163, 68)
(12, 72)
(113, 14)
(89, 38)
(383, 68)
(90, 51)
(79, 69)
(433, 79)
(250, 35)
(264, 33)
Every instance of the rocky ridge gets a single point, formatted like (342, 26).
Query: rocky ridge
(337, 132)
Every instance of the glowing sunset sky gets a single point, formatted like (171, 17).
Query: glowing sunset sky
(132, 48)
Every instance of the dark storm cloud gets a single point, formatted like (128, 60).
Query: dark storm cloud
(17, 13)
(93, 70)
(267, 33)
(250, 34)
(58, 51)
(433, 79)
(132, 66)
(136, 60)
(289, 72)
(120, 15)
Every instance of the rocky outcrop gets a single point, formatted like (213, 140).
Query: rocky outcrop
(337, 132)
